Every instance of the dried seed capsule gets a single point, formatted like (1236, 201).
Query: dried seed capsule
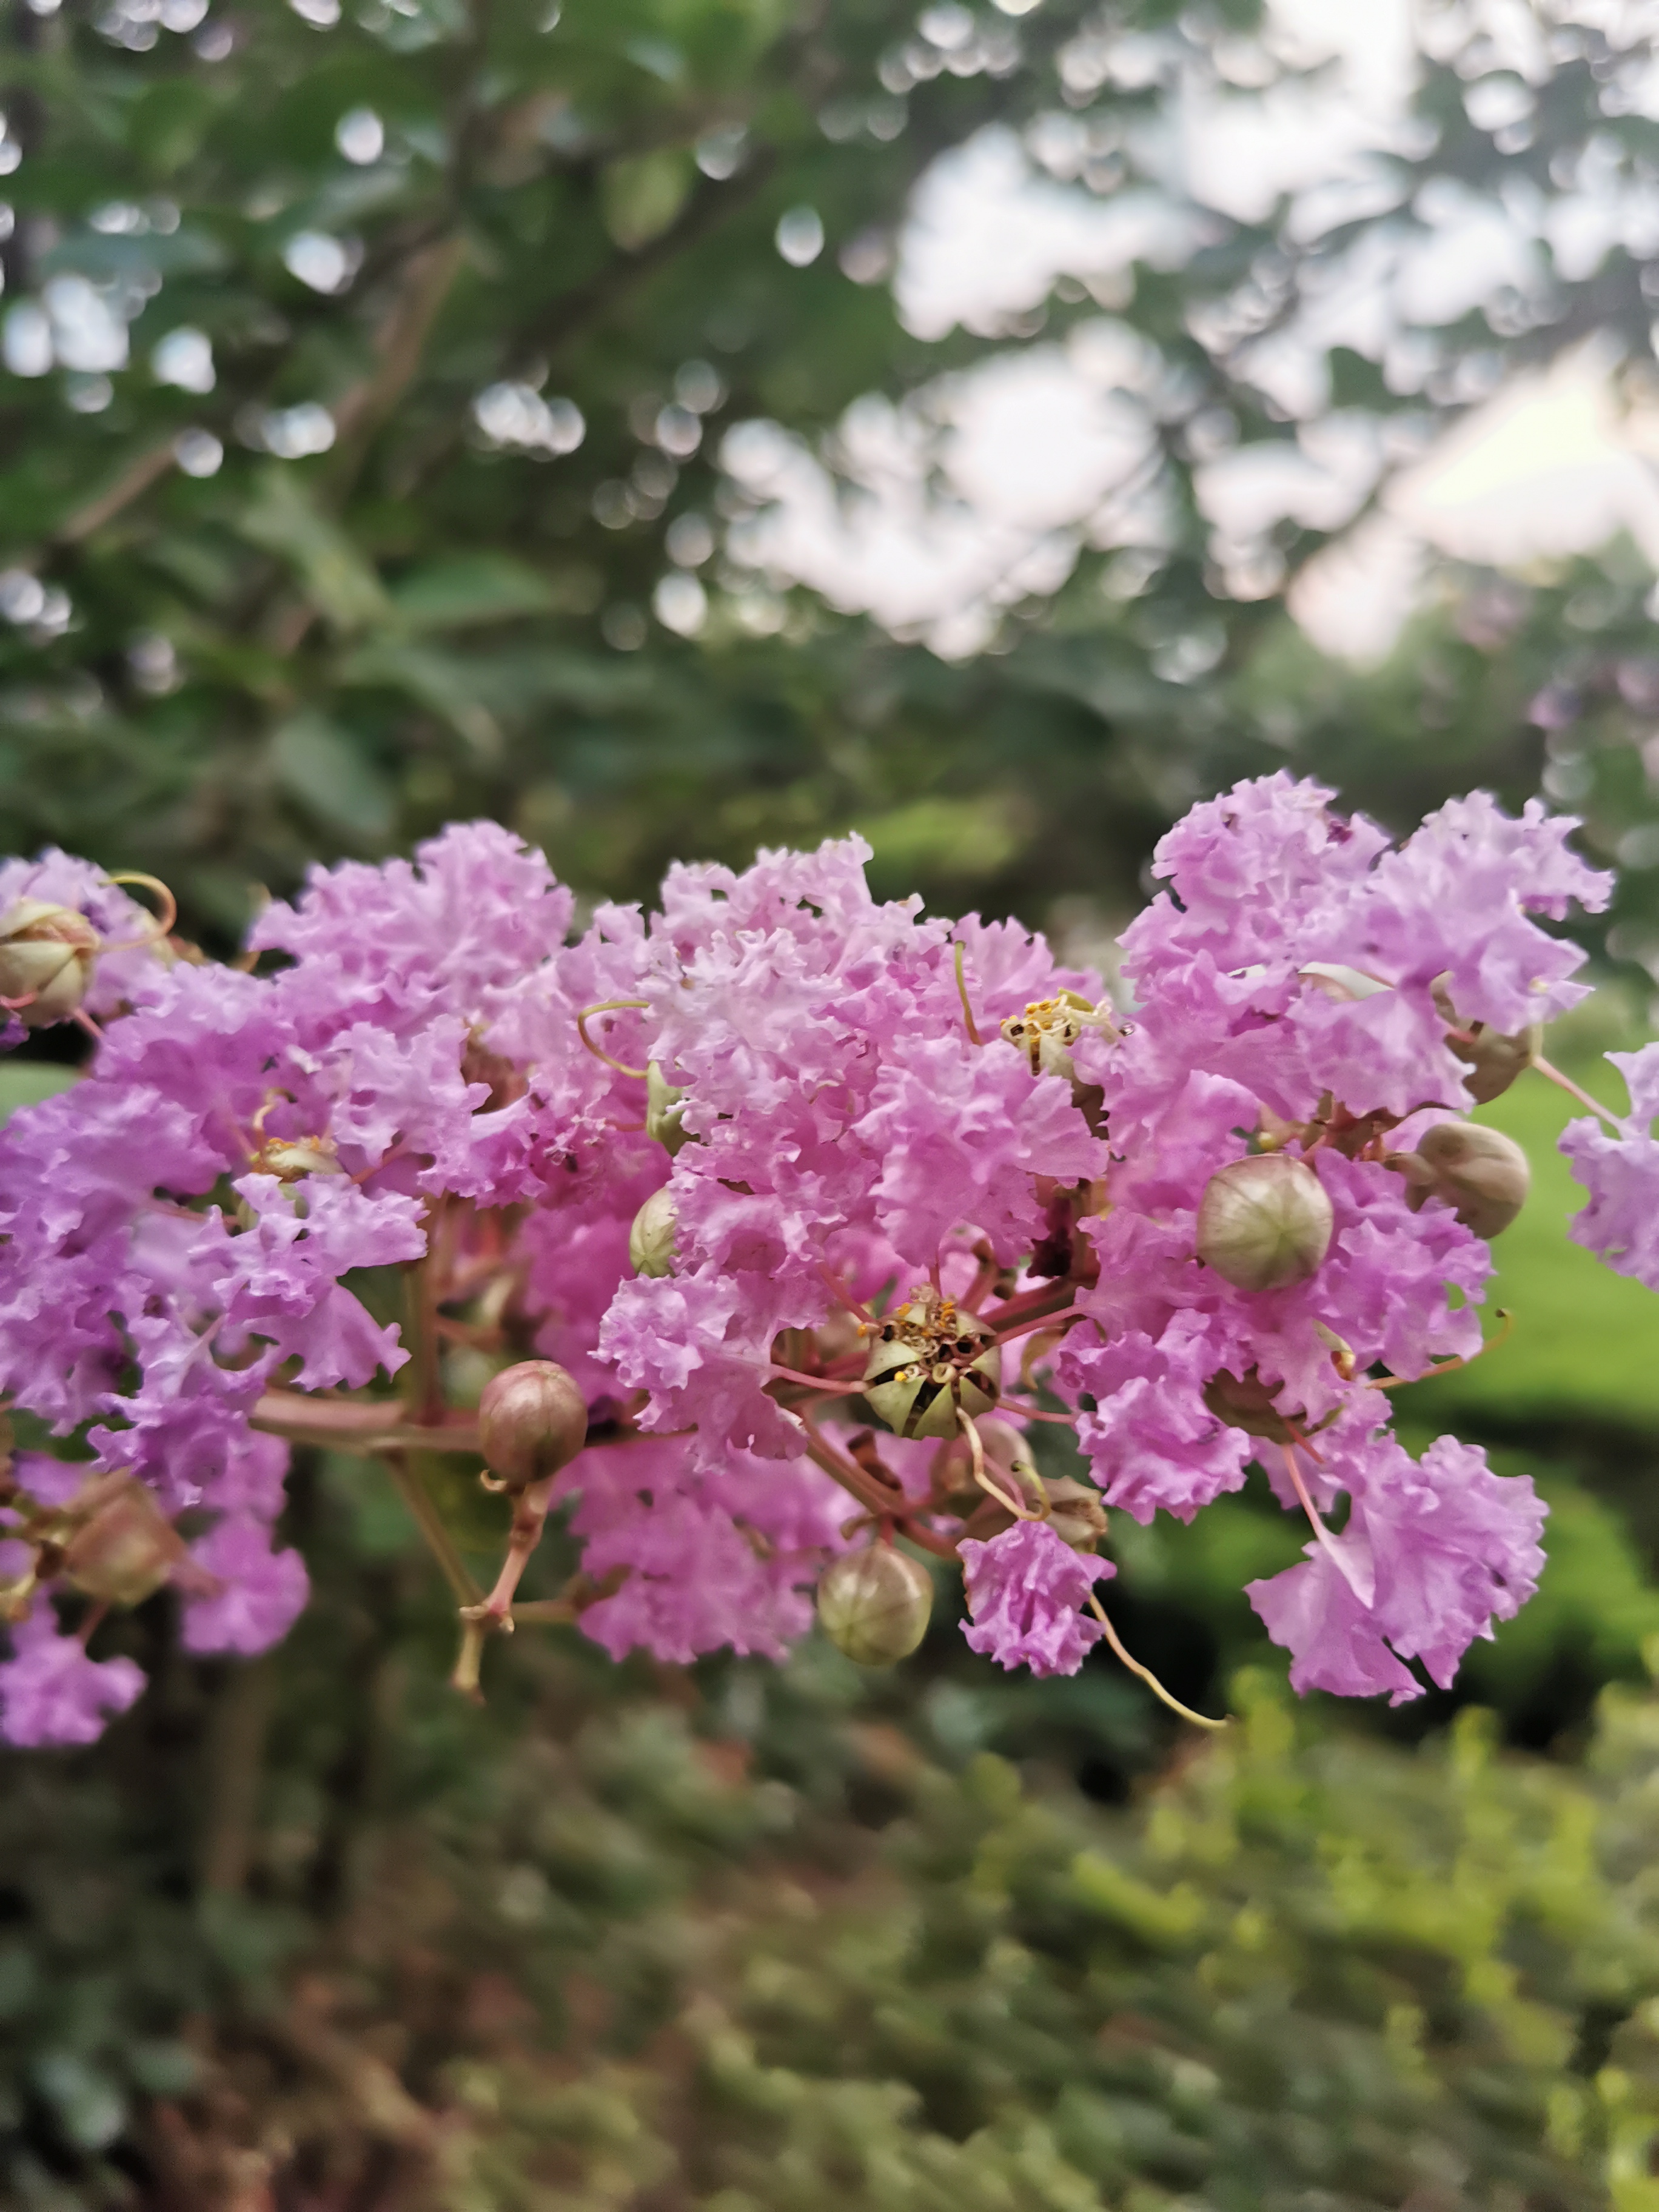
(651, 1239)
(929, 1362)
(47, 956)
(1482, 1175)
(1264, 1223)
(875, 1604)
(532, 1421)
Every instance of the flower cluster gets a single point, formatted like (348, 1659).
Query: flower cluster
(778, 1217)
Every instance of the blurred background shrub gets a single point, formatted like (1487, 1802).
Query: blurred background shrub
(398, 405)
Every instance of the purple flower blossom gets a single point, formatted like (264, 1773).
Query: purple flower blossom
(262, 1593)
(1620, 1223)
(441, 1089)
(1434, 1552)
(51, 1693)
(1023, 1591)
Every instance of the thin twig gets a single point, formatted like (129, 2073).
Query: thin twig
(1552, 1074)
(1145, 1674)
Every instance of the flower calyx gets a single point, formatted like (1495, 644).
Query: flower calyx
(1265, 1223)
(931, 1361)
(875, 1604)
(532, 1421)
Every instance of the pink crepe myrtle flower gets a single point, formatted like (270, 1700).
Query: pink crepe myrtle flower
(1620, 1225)
(886, 1153)
(1024, 1587)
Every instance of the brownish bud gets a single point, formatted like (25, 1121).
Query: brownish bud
(1075, 1512)
(1246, 1402)
(125, 1549)
(874, 1605)
(1481, 1174)
(1264, 1223)
(651, 1239)
(1493, 1059)
(532, 1421)
(47, 956)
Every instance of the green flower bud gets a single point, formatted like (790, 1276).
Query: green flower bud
(1264, 1223)
(664, 1111)
(532, 1421)
(1481, 1174)
(928, 1363)
(874, 1604)
(651, 1239)
(47, 956)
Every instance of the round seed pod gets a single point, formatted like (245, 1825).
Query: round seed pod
(651, 1239)
(928, 1363)
(1264, 1223)
(47, 956)
(874, 1605)
(532, 1421)
(1481, 1174)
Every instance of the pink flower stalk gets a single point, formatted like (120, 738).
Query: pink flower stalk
(885, 1152)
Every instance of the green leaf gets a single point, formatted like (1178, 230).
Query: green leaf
(283, 520)
(470, 588)
(644, 194)
(322, 768)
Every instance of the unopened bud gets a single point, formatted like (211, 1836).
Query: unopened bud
(1264, 1223)
(532, 1421)
(664, 1111)
(125, 1549)
(651, 1239)
(1481, 1174)
(874, 1604)
(929, 1362)
(47, 956)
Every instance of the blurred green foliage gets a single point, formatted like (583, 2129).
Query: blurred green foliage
(390, 260)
